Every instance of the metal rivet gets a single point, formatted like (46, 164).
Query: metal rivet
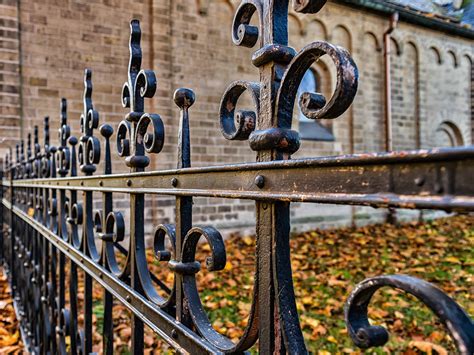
(129, 183)
(265, 206)
(67, 183)
(438, 188)
(82, 260)
(129, 299)
(82, 183)
(174, 334)
(174, 182)
(260, 181)
(101, 274)
(419, 181)
(101, 183)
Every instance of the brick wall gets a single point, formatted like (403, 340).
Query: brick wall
(188, 44)
(10, 124)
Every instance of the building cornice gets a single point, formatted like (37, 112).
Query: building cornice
(411, 16)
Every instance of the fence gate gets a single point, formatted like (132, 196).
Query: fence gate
(50, 225)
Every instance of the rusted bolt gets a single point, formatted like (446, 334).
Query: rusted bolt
(174, 334)
(419, 181)
(129, 182)
(260, 181)
(174, 182)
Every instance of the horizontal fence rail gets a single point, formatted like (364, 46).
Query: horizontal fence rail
(52, 231)
(432, 179)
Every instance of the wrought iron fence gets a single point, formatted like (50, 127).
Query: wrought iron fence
(50, 224)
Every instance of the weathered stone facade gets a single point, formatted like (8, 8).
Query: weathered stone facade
(45, 45)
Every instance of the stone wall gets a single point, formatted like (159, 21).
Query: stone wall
(188, 44)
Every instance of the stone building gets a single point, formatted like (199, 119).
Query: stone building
(45, 46)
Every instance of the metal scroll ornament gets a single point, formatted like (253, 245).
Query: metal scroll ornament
(273, 317)
(268, 127)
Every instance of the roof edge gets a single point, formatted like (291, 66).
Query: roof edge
(410, 16)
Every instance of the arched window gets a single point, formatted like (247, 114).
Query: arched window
(312, 129)
(448, 134)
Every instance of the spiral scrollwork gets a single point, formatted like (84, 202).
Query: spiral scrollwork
(163, 232)
(164, 252)
(152, 141)
(187, 266)
(123, 142)
(313, 105)
(238, 125)
(243, 33)
(114, 228)
(451, 315)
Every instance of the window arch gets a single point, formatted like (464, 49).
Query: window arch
(448, 134)
(314, 81)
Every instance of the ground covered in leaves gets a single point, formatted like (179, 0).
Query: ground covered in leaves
(10, 340)
(327, 264)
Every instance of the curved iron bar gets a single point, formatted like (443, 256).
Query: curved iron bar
(451, 315)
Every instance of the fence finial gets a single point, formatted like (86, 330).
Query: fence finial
(184, 99)
(140, 132)
(89, 146)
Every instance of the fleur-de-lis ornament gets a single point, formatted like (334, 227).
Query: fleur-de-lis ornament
(89, 146)
(45, 163)
(140, 132)
(22, 159)
(36, 154)
(64, 132)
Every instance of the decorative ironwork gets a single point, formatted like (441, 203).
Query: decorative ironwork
(51, 230)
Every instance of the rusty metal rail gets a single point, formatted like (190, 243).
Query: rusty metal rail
(431, 179)
(49, 220)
